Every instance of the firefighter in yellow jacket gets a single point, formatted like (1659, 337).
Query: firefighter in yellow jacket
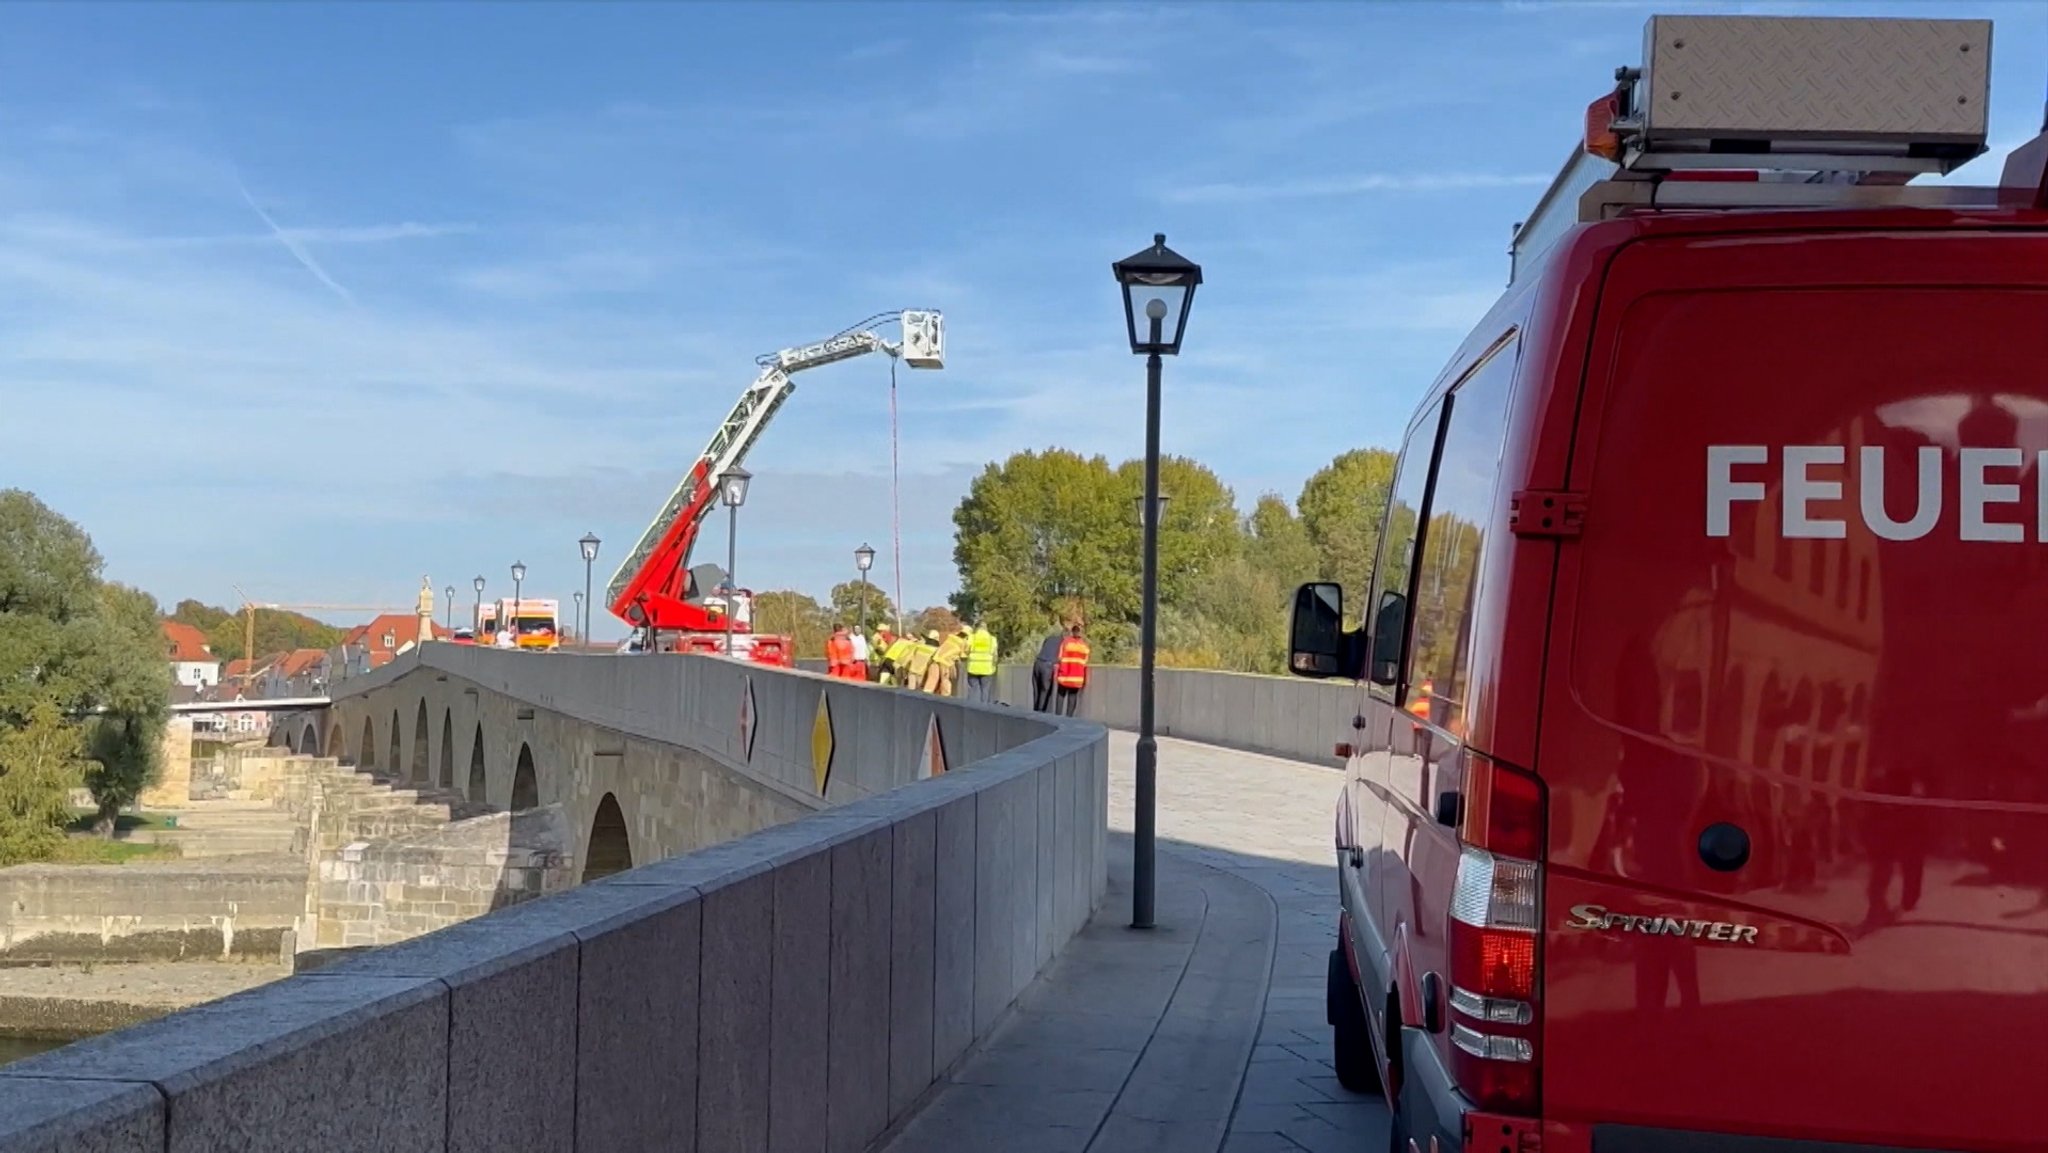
(981, 663)
(894, 658)
(917, 664)
(938, 680)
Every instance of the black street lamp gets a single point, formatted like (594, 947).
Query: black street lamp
(579, 618)
(1159, 290)
(589, 545)
(732, 486)
(1138, 507)
(518, 579)
(448, 612)
(476, 623)
(864, 559)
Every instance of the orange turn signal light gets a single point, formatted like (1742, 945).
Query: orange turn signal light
(1601, 138)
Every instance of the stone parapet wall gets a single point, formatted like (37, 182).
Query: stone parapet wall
(1279, 716)
(797, 988)
(184, 911)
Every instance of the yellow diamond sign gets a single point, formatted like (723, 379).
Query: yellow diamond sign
(821, 743)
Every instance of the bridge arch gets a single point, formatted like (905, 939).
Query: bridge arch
(366, 753)
(447, 778)
(422, 763)
(309, 741)
(525, 783)
(610, 847)
(335, 747)
(397, 765)
(478, 782)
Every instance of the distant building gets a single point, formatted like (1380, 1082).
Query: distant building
(192, 661)
(374, 645)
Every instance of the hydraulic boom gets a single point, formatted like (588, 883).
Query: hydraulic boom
(654, 586)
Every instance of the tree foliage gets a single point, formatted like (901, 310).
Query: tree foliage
(794, 615)
(277, 630)
(1047, 537)
(73, 645)
(1341, 508)
(847, 604)
(41, 761)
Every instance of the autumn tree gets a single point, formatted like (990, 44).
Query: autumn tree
(786, 612)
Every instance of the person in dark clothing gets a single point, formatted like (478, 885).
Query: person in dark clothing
(1041, 673)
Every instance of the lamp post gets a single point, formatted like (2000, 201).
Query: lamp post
(589, 545)
(448, 612)
(732, 486)
(1158, 288)
(579, 619)
(864, 559)
(1138, 502)
(476, 621)
(518, 579)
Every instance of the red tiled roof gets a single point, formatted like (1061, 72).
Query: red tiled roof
(186, 643)
(301, 661)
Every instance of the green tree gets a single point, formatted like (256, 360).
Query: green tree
(41, 761)
(786, 612)
(76, 644)
(1045, 535)
(1199, 530)
(1281, 542)
(847, 605)
(1342, 507)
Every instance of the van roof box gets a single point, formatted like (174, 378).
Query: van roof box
(1777, 111)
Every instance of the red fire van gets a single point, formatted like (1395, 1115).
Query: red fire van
(1697, 797)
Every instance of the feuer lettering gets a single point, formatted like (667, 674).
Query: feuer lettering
(1813, 482)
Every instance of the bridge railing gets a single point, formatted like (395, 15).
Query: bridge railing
(1278, 716)
(799, 987)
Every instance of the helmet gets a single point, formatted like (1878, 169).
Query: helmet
(931, 635)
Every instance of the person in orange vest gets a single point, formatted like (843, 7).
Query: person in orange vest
(1070, 675)
(838, 652)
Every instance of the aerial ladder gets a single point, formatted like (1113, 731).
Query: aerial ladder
(680, 608)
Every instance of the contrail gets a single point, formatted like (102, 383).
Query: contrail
(297, 250)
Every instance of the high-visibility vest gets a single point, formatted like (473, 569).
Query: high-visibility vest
(899, 650)
(981, 654)
(1072, 671)
(1423, 692)
(839, 650)
(949, 651)
(921, 655)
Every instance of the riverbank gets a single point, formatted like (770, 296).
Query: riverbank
(66, 1002)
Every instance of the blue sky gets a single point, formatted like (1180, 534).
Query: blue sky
(318, 299)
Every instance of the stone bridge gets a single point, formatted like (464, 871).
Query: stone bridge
(808, 901)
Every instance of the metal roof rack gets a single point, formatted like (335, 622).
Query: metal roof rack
(1777, 112)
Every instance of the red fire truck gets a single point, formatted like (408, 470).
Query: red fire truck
(677, 608)
(1697, 796)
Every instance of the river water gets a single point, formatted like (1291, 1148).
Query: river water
(15, 1048)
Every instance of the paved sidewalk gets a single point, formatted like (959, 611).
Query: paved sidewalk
(1201, 1035)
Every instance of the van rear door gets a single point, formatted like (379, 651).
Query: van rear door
(1796, 734)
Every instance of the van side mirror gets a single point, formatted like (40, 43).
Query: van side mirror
(1316, 637)
(1389, 630)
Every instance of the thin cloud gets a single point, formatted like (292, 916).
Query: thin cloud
(294, 246)
(1234, 193)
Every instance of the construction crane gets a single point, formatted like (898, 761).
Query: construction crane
(249, 608)
(655, 589)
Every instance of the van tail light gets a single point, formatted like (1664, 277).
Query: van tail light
(1495, 946)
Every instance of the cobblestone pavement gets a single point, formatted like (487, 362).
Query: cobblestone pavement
(1206, 1033)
